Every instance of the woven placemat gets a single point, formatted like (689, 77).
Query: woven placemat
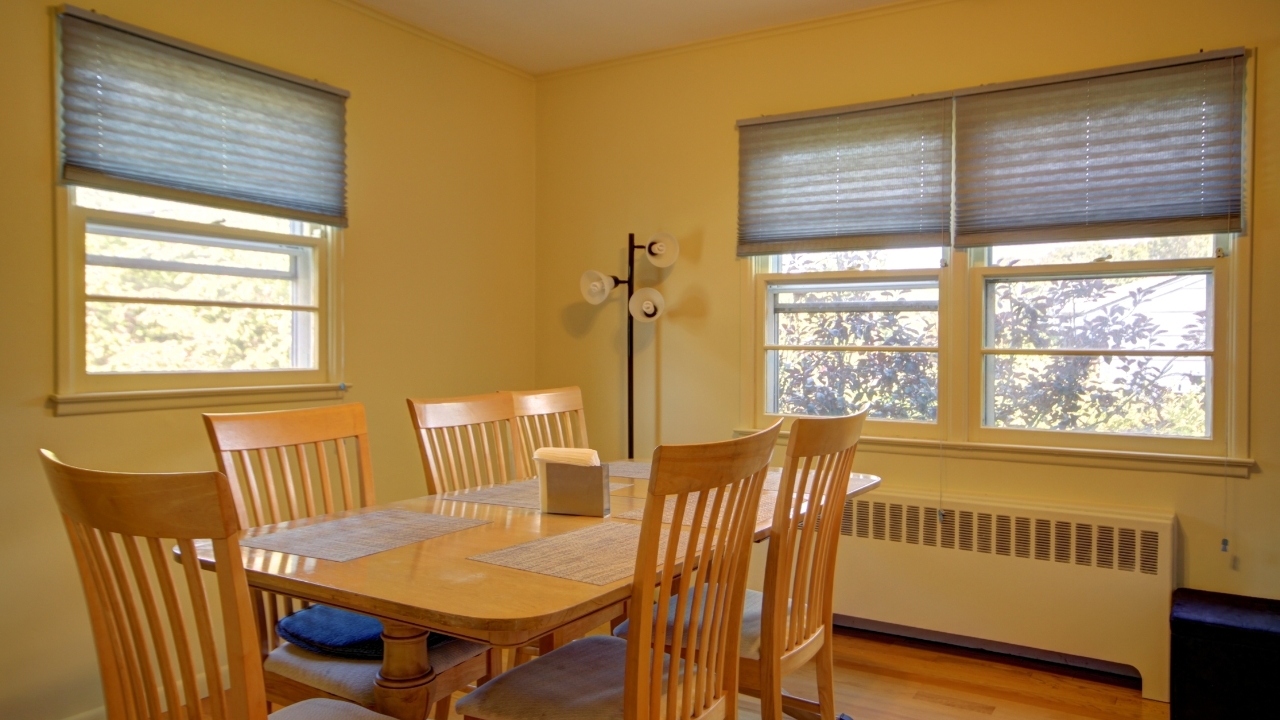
(354, 537)
(521, 494)
(639, 470)
(598, 555)
(764, 514)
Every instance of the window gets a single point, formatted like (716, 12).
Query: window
(1095, 279)
(1101, 345)
(198, 261)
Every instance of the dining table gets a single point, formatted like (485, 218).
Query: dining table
(436, 585)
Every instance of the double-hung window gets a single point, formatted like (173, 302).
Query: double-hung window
(1056, 263)
(203, 200)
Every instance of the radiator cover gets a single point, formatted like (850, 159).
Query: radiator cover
(1086, 581)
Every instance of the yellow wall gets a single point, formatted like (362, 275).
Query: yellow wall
(439, 291)
(649, 144)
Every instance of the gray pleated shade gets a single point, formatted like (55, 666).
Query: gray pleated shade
(1146, 153)
(139, 114)
(866, 179)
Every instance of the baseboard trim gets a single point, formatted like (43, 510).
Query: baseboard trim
(98, 713)
(988, 645)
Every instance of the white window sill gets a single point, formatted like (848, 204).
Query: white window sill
(1036, 454)
(112, 402)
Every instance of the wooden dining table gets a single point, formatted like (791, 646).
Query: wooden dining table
(434, 586)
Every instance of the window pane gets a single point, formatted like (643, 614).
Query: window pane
(1138, 395)
(891, 259)
(138, 337)
(1161, 248)
(897, 385)
(892, 314)
(124, 266)
(1135, 312)
(95, 199)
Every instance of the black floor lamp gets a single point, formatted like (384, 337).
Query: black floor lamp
(645, 305)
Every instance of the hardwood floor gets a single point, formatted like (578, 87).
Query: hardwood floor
(882, 677)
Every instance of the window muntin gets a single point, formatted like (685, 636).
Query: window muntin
(833, 346)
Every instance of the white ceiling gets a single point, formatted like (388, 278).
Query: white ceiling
(541, 36)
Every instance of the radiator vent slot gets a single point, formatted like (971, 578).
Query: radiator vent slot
(1042, 539)
(1150, 552)
(1048, 539)
(1004, 535)
(1084, 544)
(1023, 542)
(1106, 547)
(913, 524)
(966, 530)
(1128, 550)
(895, 522)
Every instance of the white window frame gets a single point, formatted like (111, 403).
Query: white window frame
(961, 315)
(81, 392)
(760, 345)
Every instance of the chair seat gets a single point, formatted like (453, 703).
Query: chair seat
(583, 680)
(325, 709)
(752, 611)
(354, 679)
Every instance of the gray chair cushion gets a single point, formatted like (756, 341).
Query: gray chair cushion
(353, 679)
(583, 680)
(752, 610)
(325, 709)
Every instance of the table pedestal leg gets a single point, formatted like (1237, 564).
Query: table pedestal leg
(401, 688)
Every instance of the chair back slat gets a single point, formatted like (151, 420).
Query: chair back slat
(464, 440)
(269, 457)
(800, 568)
(700, 564)
(548, 418)
(122, 528)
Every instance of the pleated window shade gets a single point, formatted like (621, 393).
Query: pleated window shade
(1146, 153)
(143, 115)
(867, 179)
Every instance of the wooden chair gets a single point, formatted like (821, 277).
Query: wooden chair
(702, 564)
(466, 442)
(794, 621)
(547, 418)
(256, 451)
(154, 633)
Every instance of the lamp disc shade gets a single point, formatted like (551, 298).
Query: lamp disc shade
(663, 250)
(647, 305)
(595, 286)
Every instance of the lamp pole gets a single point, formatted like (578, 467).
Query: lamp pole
(631, 331)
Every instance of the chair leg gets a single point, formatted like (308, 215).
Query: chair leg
(441, 711)
(826, 678)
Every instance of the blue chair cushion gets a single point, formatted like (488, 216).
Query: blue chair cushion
(339, 633)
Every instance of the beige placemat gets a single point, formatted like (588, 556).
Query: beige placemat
(356, 536)
(639, 470)
(764, 514)
(598, 555)
(521, 494)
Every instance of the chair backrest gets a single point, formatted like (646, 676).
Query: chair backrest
(800, 568)
(266, 454)
(466, 441)
(154, 633)
(548, 418)
(717, 487)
